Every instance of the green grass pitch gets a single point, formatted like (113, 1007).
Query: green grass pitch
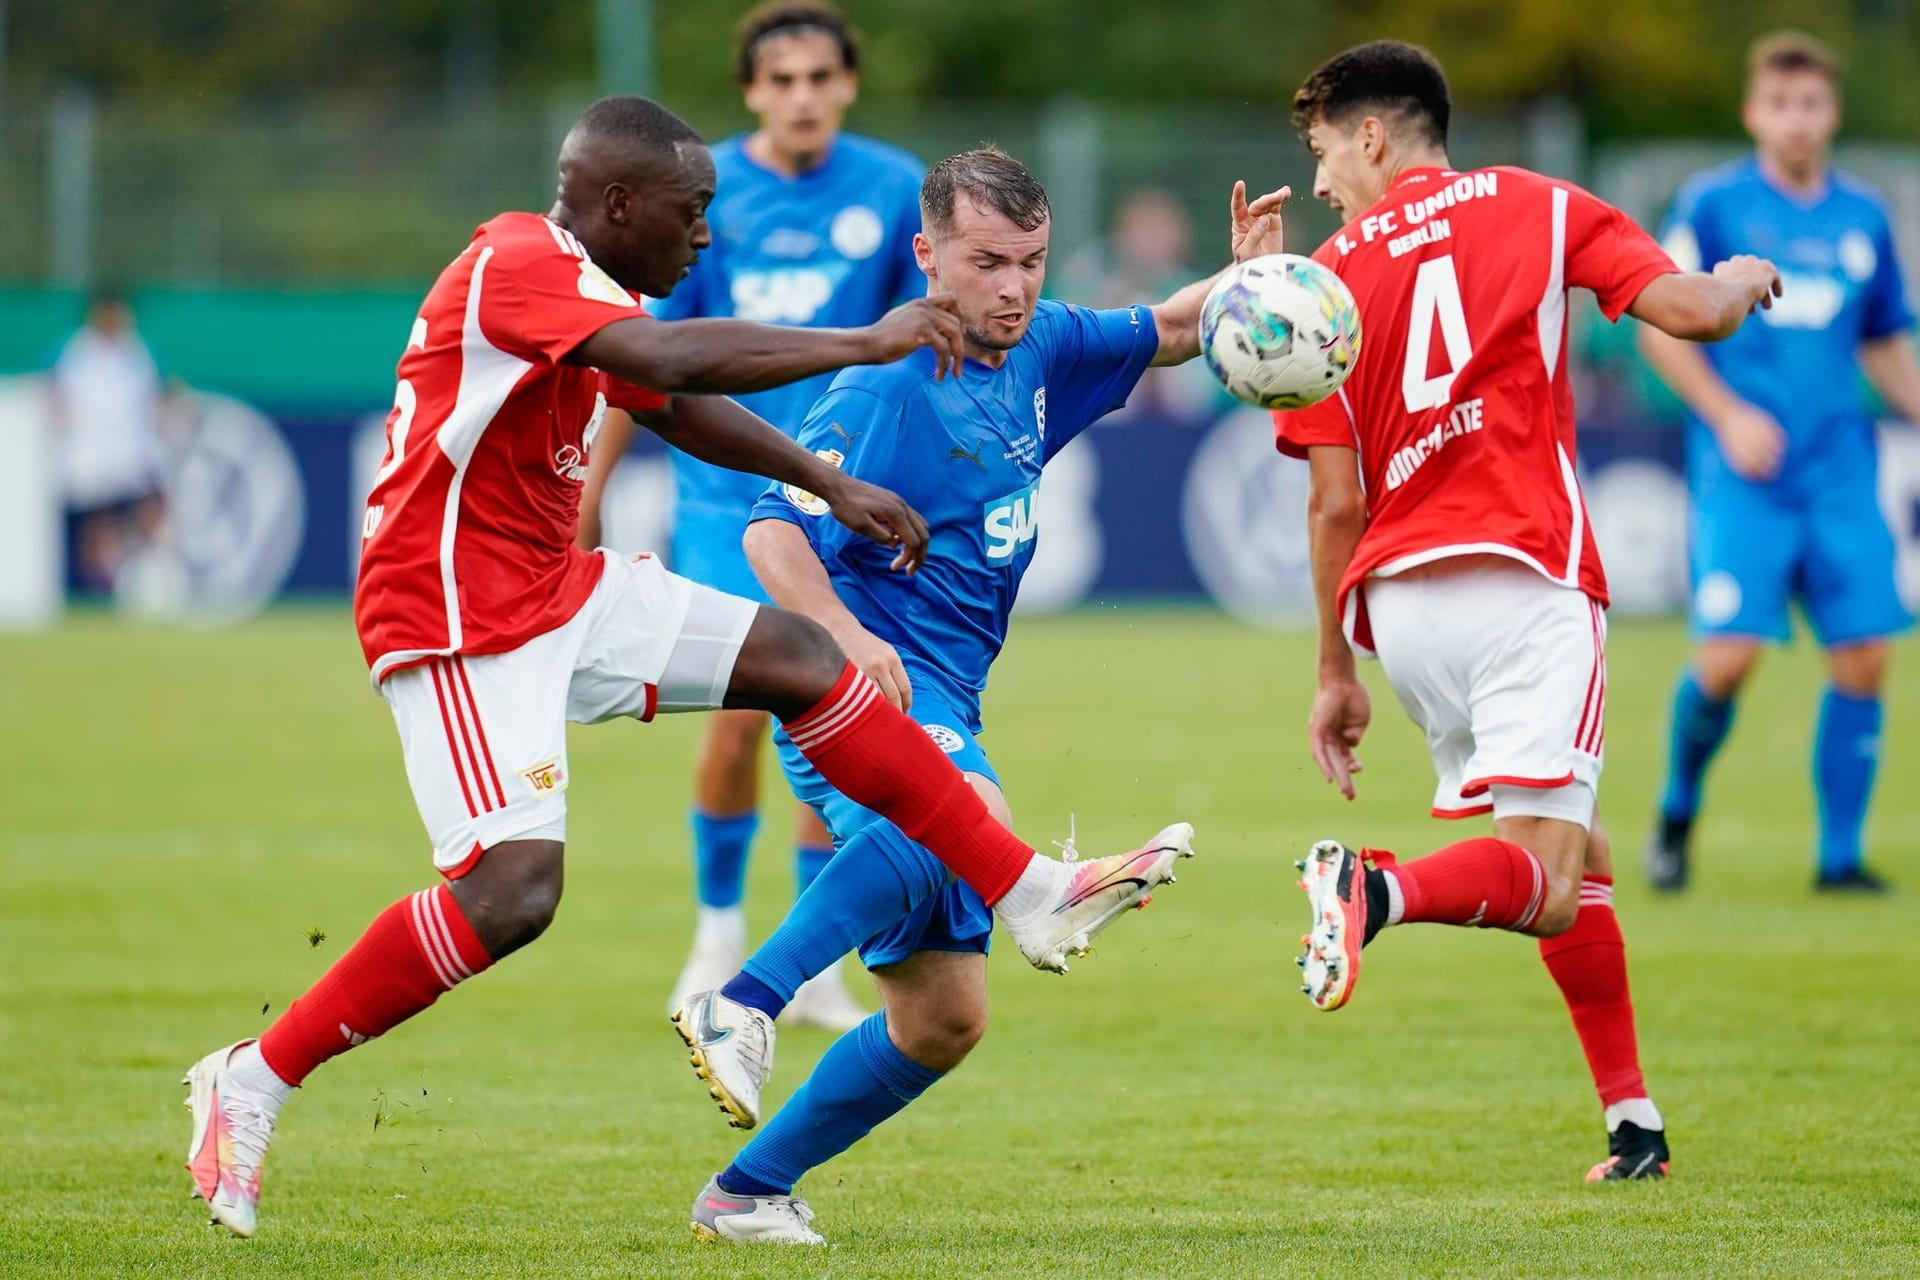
(182, 808)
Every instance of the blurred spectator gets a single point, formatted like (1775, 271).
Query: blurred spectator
(106, 399)
(1146, 255)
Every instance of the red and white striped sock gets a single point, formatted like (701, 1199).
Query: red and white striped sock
(1589, 962)
(873, 754)
(413, 951)
(1482, 882)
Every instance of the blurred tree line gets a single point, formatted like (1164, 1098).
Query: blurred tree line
(1634, 67)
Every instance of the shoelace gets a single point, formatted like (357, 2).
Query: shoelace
(801, 1211)
(251, 1127)
(1067, 852)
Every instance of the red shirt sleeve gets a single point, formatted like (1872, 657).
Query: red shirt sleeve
(1608, 253)
(540, 295)
(632, 397)
(1329, 422)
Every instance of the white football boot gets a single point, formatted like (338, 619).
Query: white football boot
(1090, 895)
(824, 1001)
(731, 1047)
(720, 1215)
(231, 1130)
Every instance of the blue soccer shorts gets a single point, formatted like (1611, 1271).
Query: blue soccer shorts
(1755, 552)
(952, 919)
(706, 548)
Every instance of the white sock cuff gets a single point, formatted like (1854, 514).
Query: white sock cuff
(249, 1074)
(1640, 1111)
(1396, 901)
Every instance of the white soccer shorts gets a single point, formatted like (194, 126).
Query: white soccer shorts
(485, 737)
(1505, 670)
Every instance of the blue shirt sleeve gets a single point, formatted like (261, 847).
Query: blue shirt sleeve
(1888, 310)
(857, 431)
(1096, 359)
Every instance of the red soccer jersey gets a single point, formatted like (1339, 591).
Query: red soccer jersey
(468, 540)
(1460, 406)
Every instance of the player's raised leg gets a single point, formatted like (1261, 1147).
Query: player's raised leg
(934, 1011)
(872, 753)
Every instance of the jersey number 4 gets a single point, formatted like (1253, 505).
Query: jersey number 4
(1436, 303)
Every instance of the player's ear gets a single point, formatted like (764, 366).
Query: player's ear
(619, 200)
(923, 255)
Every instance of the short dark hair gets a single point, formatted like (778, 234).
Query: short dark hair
(791, 18)
(1387, 76)
(991, 179)
(637, 121)
(1792, 51)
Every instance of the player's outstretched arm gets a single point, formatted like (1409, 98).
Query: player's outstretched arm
(716, 430)
(728, 357)
(1706, 307)
(1336, 517)
(1254, 229)
(1894, 370)
(787, 566)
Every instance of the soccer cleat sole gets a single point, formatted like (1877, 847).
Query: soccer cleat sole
(1648, 1171)
(737, 1116)
(705, 1234)
(1330, 968)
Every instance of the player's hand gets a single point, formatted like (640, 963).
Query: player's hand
(1341, 710)
(881, 663)
(1757, 277)
(879, 514)
(1255, 228)
(924, 322)
(1751, 441)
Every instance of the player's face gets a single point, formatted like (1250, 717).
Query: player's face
(800, 91)
(1345, 172)
(993, 268)
(665, 226)
(1792, 116)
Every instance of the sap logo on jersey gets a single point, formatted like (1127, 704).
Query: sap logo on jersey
(1012, 521)
(787, 296)
(1805, 302)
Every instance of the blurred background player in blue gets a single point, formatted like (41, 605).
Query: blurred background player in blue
(1781, 456)
(811, 226)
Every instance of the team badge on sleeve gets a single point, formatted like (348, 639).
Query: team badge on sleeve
(813, 504)
(597, 286)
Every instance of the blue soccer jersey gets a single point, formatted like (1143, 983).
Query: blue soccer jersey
(1813, 532)
(1799, 360)
(967, 452)
(831, 247)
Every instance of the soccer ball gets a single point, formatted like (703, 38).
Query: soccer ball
(1280, 331)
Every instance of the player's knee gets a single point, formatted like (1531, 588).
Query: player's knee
(1859, 669)
(787, 665)
(1599, 853)
(512, 894)
(941, 1038)
(1558, 912)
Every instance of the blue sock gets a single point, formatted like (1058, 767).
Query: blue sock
(860, 1081)
(808, 862)
(875, 879)
(720, 857)
(1699, 727)
(1846, 753)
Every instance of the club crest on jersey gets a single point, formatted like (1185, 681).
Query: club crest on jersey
(1011, 522)
(597, 286)
(549, 777)
(856, 232)
(1040, 412)
(948, 740)
(811, 503)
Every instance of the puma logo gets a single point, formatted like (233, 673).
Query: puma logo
(957, 453)
(843, 433)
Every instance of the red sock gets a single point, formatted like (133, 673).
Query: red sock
(414, 950)
(872, 753)
(1484, 882)
(1589, 961)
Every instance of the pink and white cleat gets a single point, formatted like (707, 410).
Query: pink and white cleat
(1092, 894)
(230, 1136)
